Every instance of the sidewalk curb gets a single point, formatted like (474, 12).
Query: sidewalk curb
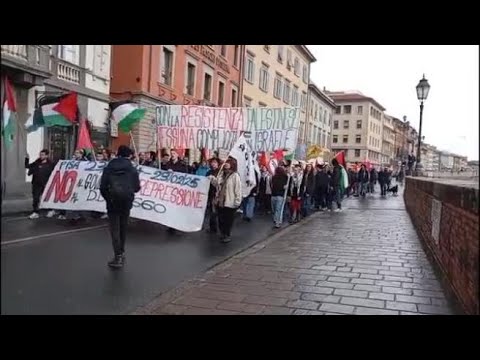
(174, 292)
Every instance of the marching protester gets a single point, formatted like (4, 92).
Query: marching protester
(351, 182)
(211, 211)
(308, 190)
(279, 189)
(248, 203)
(119, 183)
(177, 165)
(165, 161)
(363, 181)
(202, 169)
(383, 181)
(228, 198)
(264, 198)
(40, 171)
(295, 193)
(322, 186)
(373, 180)
(337, 186)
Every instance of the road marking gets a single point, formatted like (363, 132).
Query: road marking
(30, 238)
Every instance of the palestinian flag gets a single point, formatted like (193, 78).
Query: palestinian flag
(35, 121)
(341, 158)
(9, 114)
(58, 110)
(84, 142)
(126, 114)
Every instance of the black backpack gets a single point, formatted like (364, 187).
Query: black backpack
(120, 188)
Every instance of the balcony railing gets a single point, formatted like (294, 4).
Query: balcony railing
(68, 72)
(16, 51)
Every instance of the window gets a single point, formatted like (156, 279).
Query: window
(263, 85)
(234, 97)
(303, 101)
(277, 87)
(167, 68)
(286, 92)
(223, 50)
(338, 110)
(347, 109)
(69, 53)
(266, 48)
(295, 99)
(296, 67)
(305, 74)
(236, 53)
(357, 152)
(221, 93)
(345, 139)
(280, 54)
(207, 87)
(346, 124)
(335, 139)
(247, 101)
(261, 104)
(249, 70)
(335, 124)
(358, 139)
(329, 119)
(359, 124)
(191, 72)
(324, 116)
(359, 110)
(289, 59)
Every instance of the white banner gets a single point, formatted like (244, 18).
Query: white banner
(173, 199)
(197, 127)
(246, 163)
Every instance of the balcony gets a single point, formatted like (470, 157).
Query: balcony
(29, 64)
(68, 72)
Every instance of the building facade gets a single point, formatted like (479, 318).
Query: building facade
(319, 119)
(401, 144)
(153, 75)
(388, 141)
(278, 76)
(430, 157)
(42, 70)
(357, 127)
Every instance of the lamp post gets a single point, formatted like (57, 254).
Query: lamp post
(423, 88)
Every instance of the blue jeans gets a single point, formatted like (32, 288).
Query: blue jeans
(277, 205)
(248, 207)
(307, 205)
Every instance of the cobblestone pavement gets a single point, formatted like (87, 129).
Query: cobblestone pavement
(366, 260)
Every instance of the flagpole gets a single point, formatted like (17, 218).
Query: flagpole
(133, 143)
(285, 197)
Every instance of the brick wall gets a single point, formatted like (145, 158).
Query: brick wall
(456, 249)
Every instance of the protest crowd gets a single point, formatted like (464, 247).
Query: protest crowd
(285, 189)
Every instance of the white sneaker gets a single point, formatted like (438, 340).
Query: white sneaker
(104, 216)
(240, 211)
(51, 213)
(62, 217)
(337, 210)
(34, 216)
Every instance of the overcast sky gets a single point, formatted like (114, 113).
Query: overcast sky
(389, 73)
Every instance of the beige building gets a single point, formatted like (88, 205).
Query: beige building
(277, 76)
(357, 127)
(388, 141)
(319, 117)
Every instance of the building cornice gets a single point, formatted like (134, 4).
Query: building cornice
(304, 50)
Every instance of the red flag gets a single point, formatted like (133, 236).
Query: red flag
(10, 96)
(278, 154)
(263, 159)
(180, 152)
(341, 158)
(84, 141)
(67, 106)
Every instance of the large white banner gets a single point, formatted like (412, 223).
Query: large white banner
(196, 127)
(173, 199)
(246, 163)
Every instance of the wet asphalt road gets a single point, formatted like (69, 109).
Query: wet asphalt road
(57, 268)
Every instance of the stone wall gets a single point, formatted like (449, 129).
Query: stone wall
(445, 214)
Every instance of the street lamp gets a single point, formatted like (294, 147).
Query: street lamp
(423, 88)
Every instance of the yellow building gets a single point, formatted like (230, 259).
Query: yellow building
(277, 76)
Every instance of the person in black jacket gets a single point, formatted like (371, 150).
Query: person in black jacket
(175, 164)
(337, 194)
(212, 192)
(309, 190)
(362, 178)
(40, 171)
(279, 187)
(322, 183)
(248, 203)
(120, 181)
(383, 180)
(373, 180)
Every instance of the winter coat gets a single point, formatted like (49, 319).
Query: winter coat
(309, 182)
(322, 180)
(178, 166)
(278, 184)
(40, 171)
(362, 176)
(373, 176)
(232, 188)
(265, 185)
(202, 171)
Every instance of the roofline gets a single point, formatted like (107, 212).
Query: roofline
(364, 99)
(321, 94)
(303, 49)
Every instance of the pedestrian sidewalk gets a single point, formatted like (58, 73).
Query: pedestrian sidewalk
(366, 260)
